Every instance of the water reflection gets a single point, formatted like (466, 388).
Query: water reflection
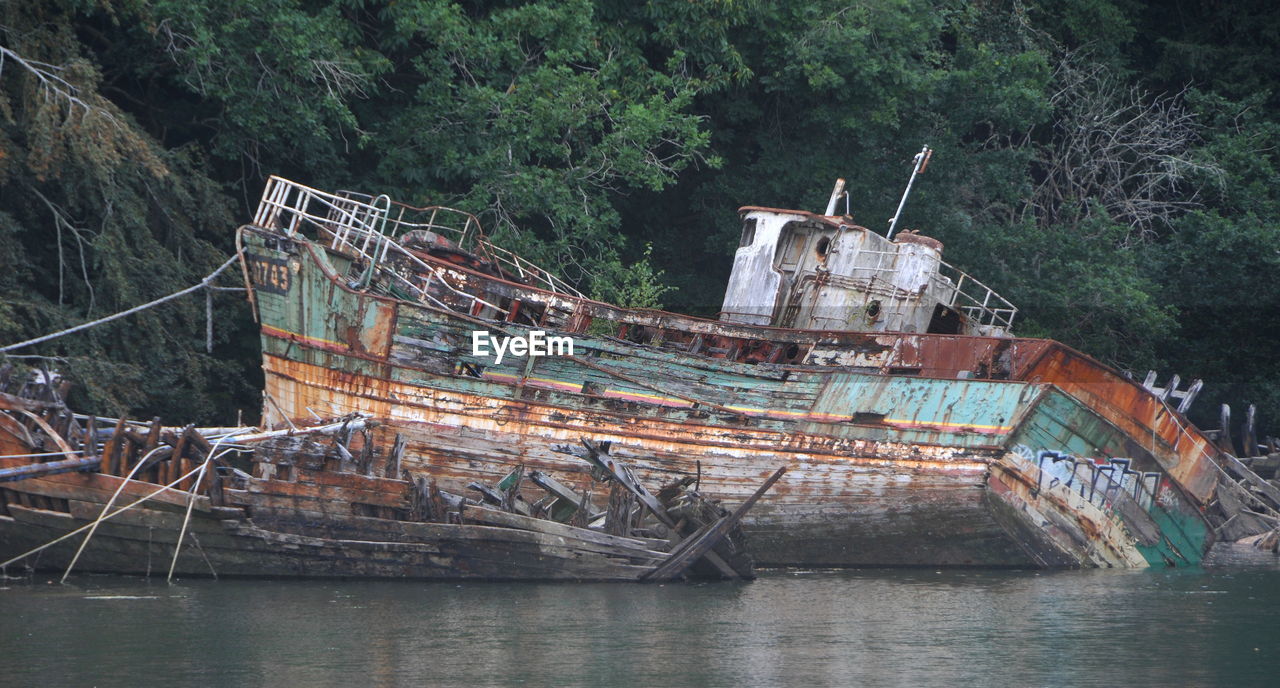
(915, 627)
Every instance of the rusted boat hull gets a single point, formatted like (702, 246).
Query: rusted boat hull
(905, 449)
(895, 504)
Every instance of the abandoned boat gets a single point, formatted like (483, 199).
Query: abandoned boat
(918, 429)
(326, 501)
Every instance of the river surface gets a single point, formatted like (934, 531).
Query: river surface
(847, 628)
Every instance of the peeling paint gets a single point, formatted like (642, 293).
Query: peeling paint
(901, 445)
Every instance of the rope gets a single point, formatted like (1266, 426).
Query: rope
(191, 502)
(102, 516)
(111, 515)
(203, 284)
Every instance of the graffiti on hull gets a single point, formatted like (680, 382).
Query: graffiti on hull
(1096, 480)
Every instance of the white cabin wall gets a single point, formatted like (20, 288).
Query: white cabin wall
(754, 285)
(861, 282)
(873, 284)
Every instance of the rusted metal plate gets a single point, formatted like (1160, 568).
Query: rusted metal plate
(1180, 448)
(1074, 529)
(943, 407)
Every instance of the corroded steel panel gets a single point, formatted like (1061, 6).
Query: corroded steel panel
(1183, 451)
(1063, 443)
(1069, 522)
(302, 390)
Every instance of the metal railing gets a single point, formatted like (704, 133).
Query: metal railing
(465, 231)
(368, 226)
(958, 290)
(980, 303)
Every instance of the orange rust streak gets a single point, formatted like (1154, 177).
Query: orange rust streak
(461, 437)
(487, 413)
(1137, 412)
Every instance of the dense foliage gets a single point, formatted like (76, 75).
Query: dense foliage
(1109, 165)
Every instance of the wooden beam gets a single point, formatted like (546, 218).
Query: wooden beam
(111, 451)
(1253, 480)
(701, 543)
(49, 431)
(35, 470)
(598, 456)
(177, 462)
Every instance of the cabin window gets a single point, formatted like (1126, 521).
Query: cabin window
(823, 248)
(873, 311)
(748, 232)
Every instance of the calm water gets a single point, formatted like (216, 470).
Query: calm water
(912, 628)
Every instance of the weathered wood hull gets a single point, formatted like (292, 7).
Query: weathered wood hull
(287, 540)
(904, 449)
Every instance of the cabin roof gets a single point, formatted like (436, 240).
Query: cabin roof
(833, 220)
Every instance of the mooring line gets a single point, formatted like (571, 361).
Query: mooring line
(182, 532)
(191, 499)
(110, 502)
(113, 514)
(204, 283)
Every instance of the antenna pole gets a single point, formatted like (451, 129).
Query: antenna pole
(921, 162)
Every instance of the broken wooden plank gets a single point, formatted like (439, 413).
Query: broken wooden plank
(560, 490)
(510, 487)
(490, 495)
(588, 539)
(701, 545)
(1253, 480)
(506, 519)
(10, 401)
(397, 456)
(619, 519)
(598, 456)
(50, 433)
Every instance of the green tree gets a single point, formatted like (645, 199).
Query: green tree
(1105, 164)
(96, 217)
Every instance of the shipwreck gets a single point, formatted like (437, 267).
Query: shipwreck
(918, 429)
(915, 427)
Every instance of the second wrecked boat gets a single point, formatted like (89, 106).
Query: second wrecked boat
(326, 501)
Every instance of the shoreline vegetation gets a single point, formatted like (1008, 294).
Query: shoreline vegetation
(1109, 166)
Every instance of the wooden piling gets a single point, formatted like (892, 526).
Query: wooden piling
(111, 451)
